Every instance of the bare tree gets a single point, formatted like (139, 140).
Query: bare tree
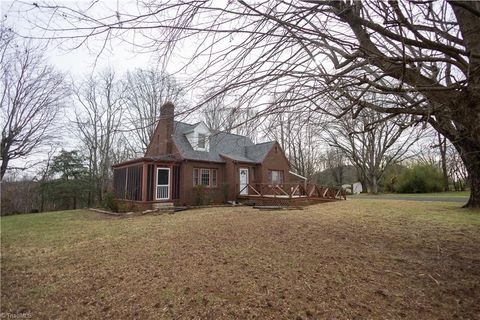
(145, 92)
(438, 151)
(217, 116)
(372, 148)
(456, 170)
(335, 160)
(222, 114)
(44, 175)
(424, 53)
(299, 134)
(442, 146)
(98, 119)
(32, 94)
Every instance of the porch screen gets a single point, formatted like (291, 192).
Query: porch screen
(150, 178)
(134, 183)
(176, 183)
(162, 178)
(119, 180)
(127, 182)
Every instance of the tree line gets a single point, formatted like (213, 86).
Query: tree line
(101, 119)
(111, 117)
(374, 73)
(419, 59)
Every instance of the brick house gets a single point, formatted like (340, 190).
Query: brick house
(183, 160)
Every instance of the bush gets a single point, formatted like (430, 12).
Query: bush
(390, 178)
(200, 197)
(225, 189)
(109, 202)
(420, 179)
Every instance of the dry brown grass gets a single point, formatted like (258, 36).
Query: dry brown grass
(348, 260)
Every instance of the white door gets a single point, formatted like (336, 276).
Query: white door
(163, 183)
(243, 181)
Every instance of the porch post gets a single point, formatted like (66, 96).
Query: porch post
(171, 182)
(144, 182)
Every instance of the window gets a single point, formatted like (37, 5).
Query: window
(202, 141)
(214, 178)
(276, 177)
(205, 177)
(195, 177)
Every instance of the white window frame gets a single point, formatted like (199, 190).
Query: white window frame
(280, 177)
(163, 185)
(202, 171)
(198, 177)
(204, 141)
(243, 190)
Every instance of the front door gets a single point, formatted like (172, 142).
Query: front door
(243, 181)
(163, 183)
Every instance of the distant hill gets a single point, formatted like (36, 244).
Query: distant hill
(331, 177)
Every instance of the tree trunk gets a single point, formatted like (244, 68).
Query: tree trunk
(472, 162)
(42, 201)
(469, 151)
(4, 166)
(373, 185)
(442, 142)
(463, 132)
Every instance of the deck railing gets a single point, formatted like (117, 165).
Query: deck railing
(291, 190)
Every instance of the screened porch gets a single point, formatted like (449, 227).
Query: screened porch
(146, 181)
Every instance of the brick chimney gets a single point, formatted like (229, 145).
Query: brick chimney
(161, 140)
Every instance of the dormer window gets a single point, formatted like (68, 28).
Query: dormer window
(202, 141)
(199, 137)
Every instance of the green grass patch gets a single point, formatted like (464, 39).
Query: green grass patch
(447, 213)
(449, 194)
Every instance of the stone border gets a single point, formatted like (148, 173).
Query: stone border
(124, 214)
(214, 206)
(162, 210)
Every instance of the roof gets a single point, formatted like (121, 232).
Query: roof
(236, 157)
(257, 152)
(166, 158)
(297, 175)
(222, 145)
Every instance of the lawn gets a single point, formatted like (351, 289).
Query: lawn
(449, 194)
(357, 259)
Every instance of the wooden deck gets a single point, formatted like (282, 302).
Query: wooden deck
(289, 194)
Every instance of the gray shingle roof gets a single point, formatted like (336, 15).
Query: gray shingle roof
(257, 152)
(233, 146)
(236, 157)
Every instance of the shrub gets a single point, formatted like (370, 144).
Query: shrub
(225, 189)
(199, 195)
(389, 181)
(109, 202)
(420, 179)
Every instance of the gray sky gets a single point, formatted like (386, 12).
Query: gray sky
(80, 59)
(76, 62)
(64, 54)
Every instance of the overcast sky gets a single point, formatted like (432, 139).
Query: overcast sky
(82, 60)
(76, 62)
